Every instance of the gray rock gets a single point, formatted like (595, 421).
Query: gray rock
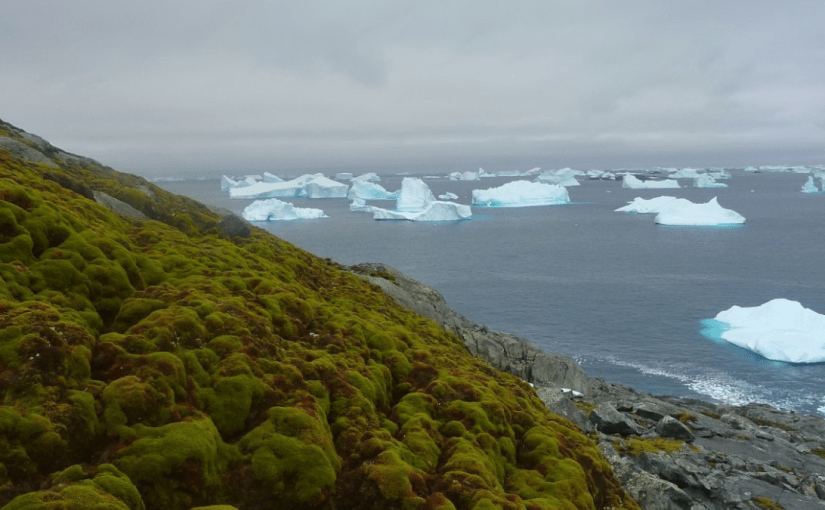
(233, 225)
(672, 428)
(116, 206)
(23, 151)
(557, 402)
(610, 421)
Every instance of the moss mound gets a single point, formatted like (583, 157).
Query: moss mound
(153, 363)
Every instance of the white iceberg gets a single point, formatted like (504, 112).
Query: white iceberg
(370, 177)
(370, 191)
(708, 214)
(415, 195)
(305, 186)
(276, 210)
(360, 205)
(781, 330)
(228, 183)
(718, 173)
(521, 194)
(565, 177)
(707, 181)
(268, 177)
(343, 176)
(507, 173)
(810, 185)
(434, 211)
(652, 205)
(633, 182)
(686, 173)
(448, 196)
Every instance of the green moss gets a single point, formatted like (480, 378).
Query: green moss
(635, 446)
(766, 503)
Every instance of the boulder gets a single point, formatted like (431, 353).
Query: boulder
(610, 421)
(672, 428)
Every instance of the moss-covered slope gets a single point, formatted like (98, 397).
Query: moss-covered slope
(153, 364)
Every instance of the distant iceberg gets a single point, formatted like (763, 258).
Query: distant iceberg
(686, 173)
(343, 176)
(305, 186)
(268, 177)
(781, 330)
(709, 214)
(707, 181)
(360, 205)
(448, 196)
(434, 211)
(414, 196)
(652, 206)
(370, 191)
(633, 182)
(810, 184)
(521, 194)
(369, 177)
(228, 183)
(600, 175)
(276, 210)
(565, 177)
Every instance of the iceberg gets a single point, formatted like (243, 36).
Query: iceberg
(227, 183)
(633, 182)
(305, 186)
(343, 176)
(276, 210)
(521, 194)
(370, 177)
(708, 214)
(434, 211)
(707, 181)
(268, 177)
(565, 177)
(448, 196)
(600, 175)
(780, 330)
(370, 191)
(360, 205)
(652, 206)
(809, 186)
(507, 173)
(414, 196)
(685, 173)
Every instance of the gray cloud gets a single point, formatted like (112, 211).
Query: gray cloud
(158, 86)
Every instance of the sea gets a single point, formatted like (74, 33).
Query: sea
(621, 295)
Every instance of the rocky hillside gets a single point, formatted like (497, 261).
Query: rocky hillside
(669, 453)
(155, 354)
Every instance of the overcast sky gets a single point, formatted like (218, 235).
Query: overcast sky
(155, 87)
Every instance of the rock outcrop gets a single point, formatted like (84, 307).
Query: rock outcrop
(668, 452)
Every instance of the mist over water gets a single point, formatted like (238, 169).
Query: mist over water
(621, 295)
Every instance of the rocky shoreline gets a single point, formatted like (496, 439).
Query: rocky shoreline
(668, 452)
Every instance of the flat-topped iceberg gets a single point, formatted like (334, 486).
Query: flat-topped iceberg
(651, 205)
(781, 330)
(686, 173)
(708, 214)
(707, 181)
(521, 194)
(276, 210)
(305, 186)
(414, 196)
(600, 175)
(633, 182)
(343, 176)
(434, 211)
(370, 191)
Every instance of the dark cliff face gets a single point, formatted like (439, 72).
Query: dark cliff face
(179, 359)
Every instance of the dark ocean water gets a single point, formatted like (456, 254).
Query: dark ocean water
(621, 295)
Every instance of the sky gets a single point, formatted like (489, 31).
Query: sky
(165, 87)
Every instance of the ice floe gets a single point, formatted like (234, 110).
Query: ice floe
(305, 186)
(633, 182)
(651, 205)
(521, 194)
(781, 330)
(448, 196)
(276, 210)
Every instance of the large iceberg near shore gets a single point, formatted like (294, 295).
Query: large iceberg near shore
(633, 182)
(276, 210)
(305, 186)
(521, 194)
(781, 330)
